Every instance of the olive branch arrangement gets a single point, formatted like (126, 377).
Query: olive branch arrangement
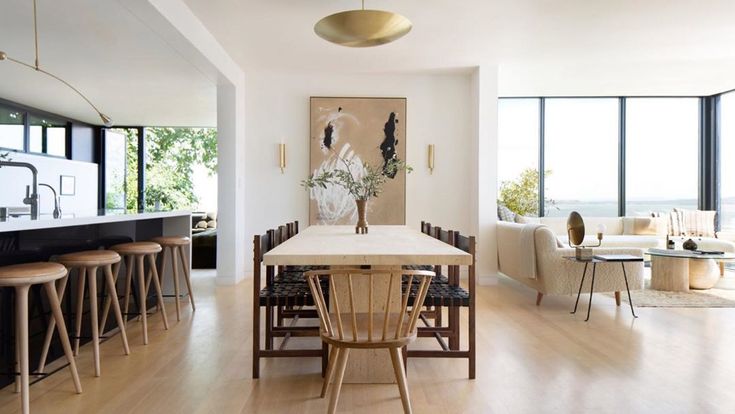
(365, 187)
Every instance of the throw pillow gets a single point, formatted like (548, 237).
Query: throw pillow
(698, 223)
(504, 213)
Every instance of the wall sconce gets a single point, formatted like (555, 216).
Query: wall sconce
(431, 158)
(282, 156)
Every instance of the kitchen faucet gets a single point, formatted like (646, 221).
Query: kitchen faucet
(57, 200)
(31, 197)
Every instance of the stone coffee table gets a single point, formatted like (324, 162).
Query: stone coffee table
(681, 270)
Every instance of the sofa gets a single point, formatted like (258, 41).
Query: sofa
(551, 273)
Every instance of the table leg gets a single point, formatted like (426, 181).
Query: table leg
(584, 273)
(592, 288)
(627, 288)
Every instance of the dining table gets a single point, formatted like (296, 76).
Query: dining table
(385, 247)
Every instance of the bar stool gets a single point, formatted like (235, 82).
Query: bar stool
(21, 277)
(175, 245)
(135, 255)
(87, 263)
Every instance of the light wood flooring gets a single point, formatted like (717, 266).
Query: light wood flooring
(530, 360)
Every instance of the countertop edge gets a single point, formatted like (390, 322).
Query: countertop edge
(23, 225)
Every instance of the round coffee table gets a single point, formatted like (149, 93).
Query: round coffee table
(680, 270)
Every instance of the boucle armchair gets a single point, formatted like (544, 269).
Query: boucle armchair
(555, 275)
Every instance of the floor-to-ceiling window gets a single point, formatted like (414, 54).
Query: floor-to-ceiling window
(47, 135)
(727, 161)
(581, 156)
(11, 129)
(518, 144)
(121, 169)
(662, 139)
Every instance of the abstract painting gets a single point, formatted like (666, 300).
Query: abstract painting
(371, 130)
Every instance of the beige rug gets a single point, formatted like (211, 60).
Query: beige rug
(721, 296)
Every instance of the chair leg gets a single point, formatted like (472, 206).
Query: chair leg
(539, 297)
(330, 371)
(52, 325)
(140, 271)
(617, 298)
(174, 260)
(401, 379)
(81, 280)
(21, 315)
(92, 276)
(116, 307)
(337, 383)
(63, 335)
(159, 292)
(187, 276)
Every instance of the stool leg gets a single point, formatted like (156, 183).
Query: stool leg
(141, 296)
(51, 327)
(92, 276)
(106, 308)
(21, 315)
(187, 276)
(81, 280)
(61, 328)
(162, 271)
(17, 357)
(174, 260)
(116, 307)
(157, 285)
(128, 282)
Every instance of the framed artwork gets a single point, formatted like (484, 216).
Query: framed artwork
(371, 130)
(67, 185)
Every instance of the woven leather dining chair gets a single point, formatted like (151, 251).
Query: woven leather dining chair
(380, 321)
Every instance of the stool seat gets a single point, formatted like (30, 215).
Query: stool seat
(31, 273)
(89, 258)
(171, 240)
(137, 248)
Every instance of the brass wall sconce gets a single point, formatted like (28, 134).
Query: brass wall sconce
(282, 157)
(431, 158)
(575, 232)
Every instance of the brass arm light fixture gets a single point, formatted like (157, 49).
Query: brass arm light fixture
(575, 232)
(106, 120)
(362, 28)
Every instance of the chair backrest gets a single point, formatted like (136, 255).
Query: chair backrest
(375, 313)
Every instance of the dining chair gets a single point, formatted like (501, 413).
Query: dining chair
(377, 318)
(285, 295)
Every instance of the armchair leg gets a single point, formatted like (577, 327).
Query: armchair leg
(539, 297)
(617, 298)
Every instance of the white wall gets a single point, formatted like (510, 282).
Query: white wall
(13, 182)
(439, 112)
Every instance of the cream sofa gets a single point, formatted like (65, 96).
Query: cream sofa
(555, 275)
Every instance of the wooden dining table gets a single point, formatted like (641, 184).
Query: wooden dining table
(387, 247)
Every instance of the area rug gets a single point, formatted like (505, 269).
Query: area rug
(720, 296)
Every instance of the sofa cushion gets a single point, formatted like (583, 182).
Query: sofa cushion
(505, 214)
(642, 242)
(645, 226)
(614, 225)
(527, 220)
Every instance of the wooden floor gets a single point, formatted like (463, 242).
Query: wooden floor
(530, 360)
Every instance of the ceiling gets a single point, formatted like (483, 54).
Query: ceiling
(102, 49)
(543, 47)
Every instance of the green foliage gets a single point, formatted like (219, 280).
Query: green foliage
(370, 184)
(170, 155)
(521, 195)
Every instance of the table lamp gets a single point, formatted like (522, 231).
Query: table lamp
(575, 232)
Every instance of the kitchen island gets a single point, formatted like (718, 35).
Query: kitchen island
(24, 240)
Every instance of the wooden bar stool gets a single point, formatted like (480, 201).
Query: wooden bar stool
(135, 255)
(21, 277)
(87, 263)
(176, 246)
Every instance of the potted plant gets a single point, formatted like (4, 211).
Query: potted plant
(362, 187)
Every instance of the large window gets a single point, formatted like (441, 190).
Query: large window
(581, 156)
(11, 129)
(47, 136)
(727, 161)
(662, 141)
(519, 146)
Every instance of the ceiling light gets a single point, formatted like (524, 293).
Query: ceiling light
(362, 28)
(106, 120)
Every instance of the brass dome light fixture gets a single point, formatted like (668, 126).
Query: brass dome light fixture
(362, 28)
(106, 120)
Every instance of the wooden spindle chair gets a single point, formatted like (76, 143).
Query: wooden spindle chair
(385, 323)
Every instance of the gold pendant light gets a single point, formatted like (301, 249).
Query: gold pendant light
(362, 28)
(106, 120)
